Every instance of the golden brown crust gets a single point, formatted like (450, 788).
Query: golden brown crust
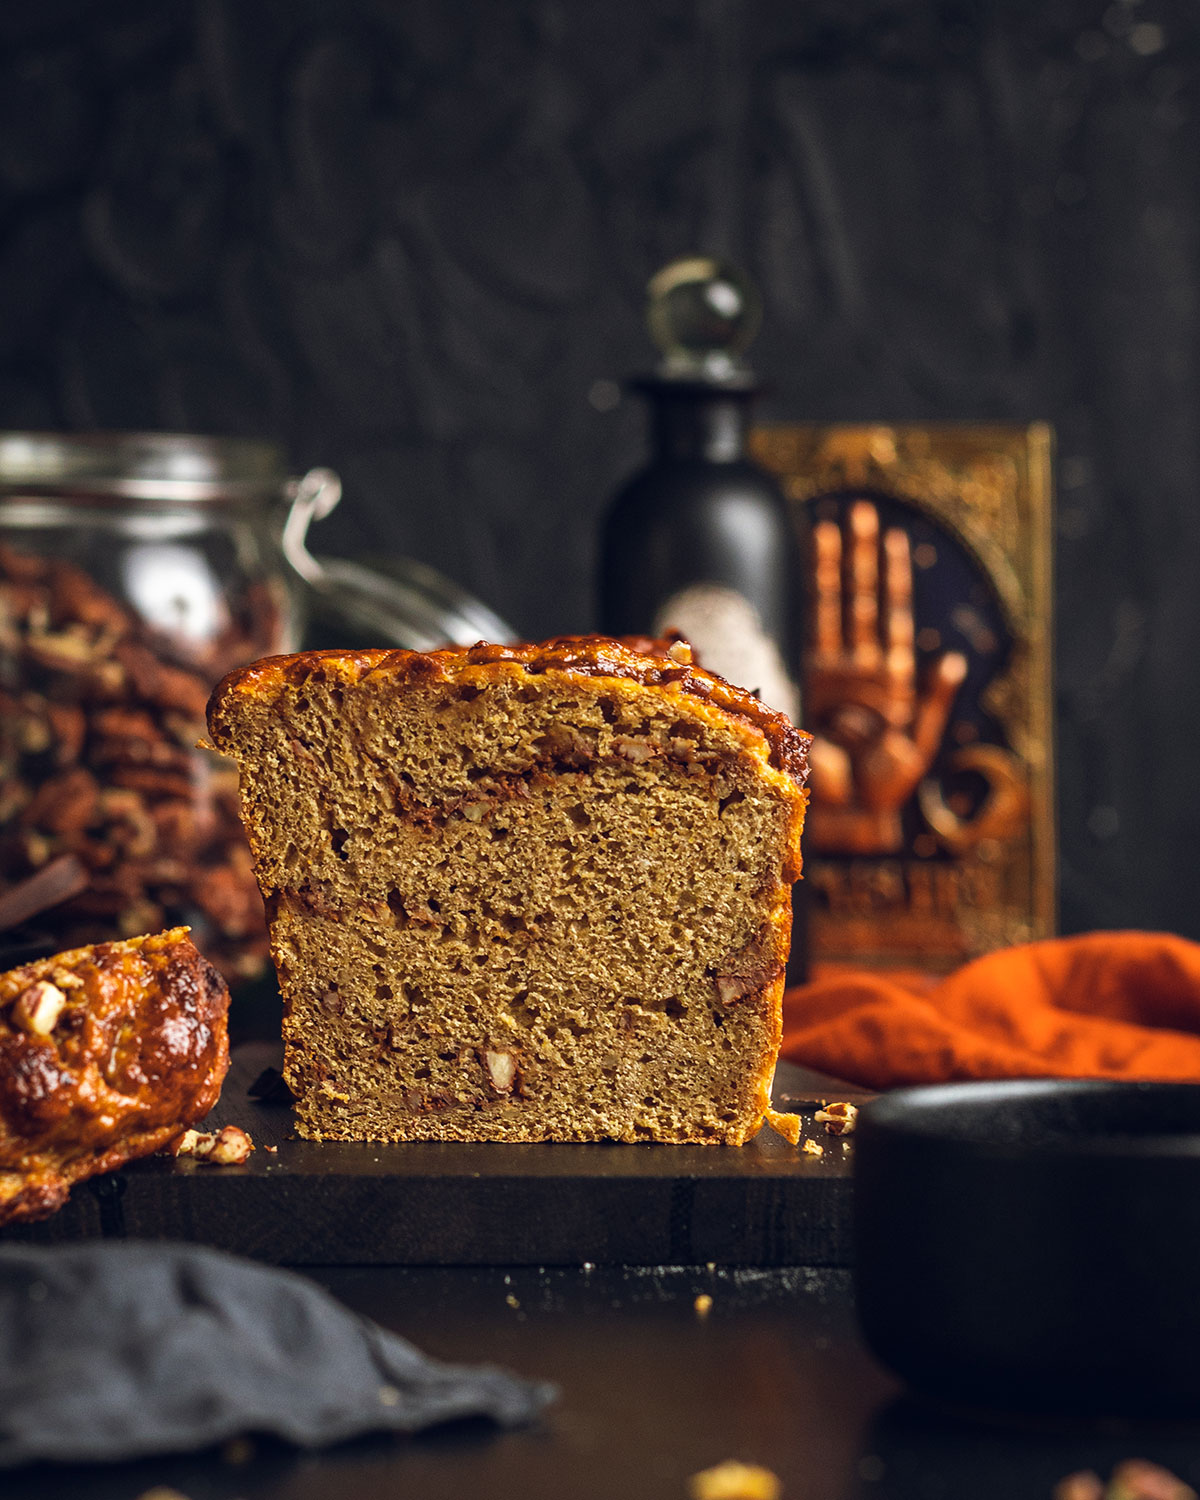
(137, 1052)
(594, 656)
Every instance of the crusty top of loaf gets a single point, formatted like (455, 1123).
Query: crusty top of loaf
(650, 662)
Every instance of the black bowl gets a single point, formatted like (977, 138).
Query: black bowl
(1034, 1245)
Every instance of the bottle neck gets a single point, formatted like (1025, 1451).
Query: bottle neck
(695, 422)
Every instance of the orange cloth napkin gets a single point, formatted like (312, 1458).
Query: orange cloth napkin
(1104, 1005)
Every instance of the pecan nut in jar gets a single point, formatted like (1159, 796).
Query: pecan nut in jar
(126, 592)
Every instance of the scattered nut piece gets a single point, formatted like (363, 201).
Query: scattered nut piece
(788, 1126)
(1082, 1486)
(813, 1148)
(223, 1148)
(734, 1481)
(192, 1143)
(703, 1305)
(501, 1070)
(1139, 1479)
(274, 1150)
(838, 1119)
(37, 1009)
(231, 1146)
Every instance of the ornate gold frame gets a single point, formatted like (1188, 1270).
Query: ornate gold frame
(991, 487)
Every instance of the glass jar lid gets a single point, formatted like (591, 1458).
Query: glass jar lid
(156, 466)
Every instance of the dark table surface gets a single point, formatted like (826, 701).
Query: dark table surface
(651, 1392)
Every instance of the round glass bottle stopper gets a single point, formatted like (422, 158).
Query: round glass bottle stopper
(702, 314)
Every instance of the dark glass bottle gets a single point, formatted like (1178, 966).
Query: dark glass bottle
(701, 539)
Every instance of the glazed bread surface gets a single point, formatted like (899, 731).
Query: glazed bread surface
(106, 1054)
(520, 893)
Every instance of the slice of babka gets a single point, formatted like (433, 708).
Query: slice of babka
(106, 1054)
(520, 893)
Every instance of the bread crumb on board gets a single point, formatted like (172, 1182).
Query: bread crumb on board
(790, 1127)
(838, 1118)
(735, 1481)
(813, 1148)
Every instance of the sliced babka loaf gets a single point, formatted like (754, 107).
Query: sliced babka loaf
(520, 893)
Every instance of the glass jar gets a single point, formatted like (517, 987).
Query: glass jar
(135, 571)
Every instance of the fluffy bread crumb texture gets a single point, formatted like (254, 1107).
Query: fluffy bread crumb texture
(519, 894)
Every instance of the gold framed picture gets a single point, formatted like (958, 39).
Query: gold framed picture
(927, 684)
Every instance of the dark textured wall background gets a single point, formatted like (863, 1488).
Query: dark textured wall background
(409, 237)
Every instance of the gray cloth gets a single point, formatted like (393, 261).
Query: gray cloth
(112, 1351)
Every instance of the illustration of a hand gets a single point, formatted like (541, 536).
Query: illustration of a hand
(876, 731)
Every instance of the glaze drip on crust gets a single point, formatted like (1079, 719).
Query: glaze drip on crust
(106, 1054)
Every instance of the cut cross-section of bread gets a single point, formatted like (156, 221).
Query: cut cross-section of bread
(106, 1054)
(520, 893)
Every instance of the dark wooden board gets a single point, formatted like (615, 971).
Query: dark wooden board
(435, 1203)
